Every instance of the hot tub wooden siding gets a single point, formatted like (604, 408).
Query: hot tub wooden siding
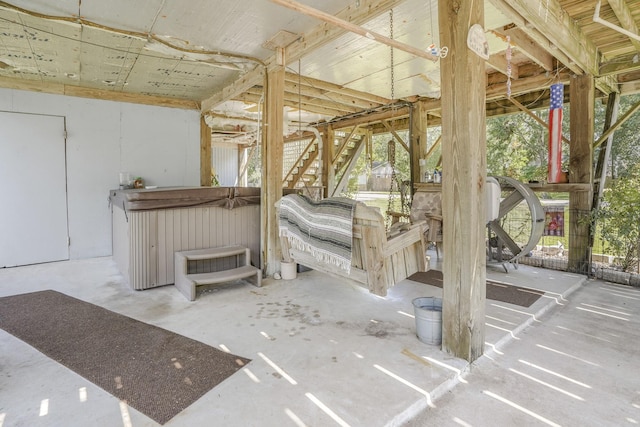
(144, 241)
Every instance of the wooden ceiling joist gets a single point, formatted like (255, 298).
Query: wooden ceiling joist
(391, 113)
(370, 34)
(623, 13)
(560, 30)
(324, 33)
(529, 48)
(248, 80)
(536, 34)
(627, 63)
(251, 98)
(315, 38)
(499, 63)
(331, 87)
(326, 95)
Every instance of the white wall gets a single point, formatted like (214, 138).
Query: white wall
(224, 159)
(162, 145)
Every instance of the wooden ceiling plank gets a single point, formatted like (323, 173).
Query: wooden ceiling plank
(561, 30)
(623, 13)
(537, 34)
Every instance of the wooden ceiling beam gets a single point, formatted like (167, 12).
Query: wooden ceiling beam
(332, 87)
(348, 122)
(328, 111)
(527, 19)
(531, 84)
(621, 64)
(357, 13)
(85, 92)
(357, 29)
(293, 99)
(248, 80)
(499, 63)
(623, 13)
(529, 48)
(560, 29)
(315, 38)
(336, 97)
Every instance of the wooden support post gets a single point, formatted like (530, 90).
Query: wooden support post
(582, 100)
(272, 152)
(377, 277)
(328, 169)
(464, 172)
(418, 139)
(205, 154)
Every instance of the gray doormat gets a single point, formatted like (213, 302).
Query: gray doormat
(153, 370)
(495, 291)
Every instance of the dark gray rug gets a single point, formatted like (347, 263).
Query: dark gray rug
(155, 371)
(495, 291)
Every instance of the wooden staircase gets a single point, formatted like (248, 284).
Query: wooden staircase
(304, 170)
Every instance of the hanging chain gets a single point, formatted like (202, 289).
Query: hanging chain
(391, 156)
(393, 95)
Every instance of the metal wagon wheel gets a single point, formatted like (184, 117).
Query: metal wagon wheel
(531, 224)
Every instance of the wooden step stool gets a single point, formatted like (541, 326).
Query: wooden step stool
(186, 283)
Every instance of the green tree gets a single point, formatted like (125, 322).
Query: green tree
(517, 147)
(619, 219)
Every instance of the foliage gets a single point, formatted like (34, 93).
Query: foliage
(254, 169)
(215, 182)
(625, 151)
(619, 219)
(516, 147)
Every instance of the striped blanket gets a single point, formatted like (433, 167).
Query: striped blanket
(322, 228)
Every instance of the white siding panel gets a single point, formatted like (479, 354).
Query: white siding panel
(154, 237)
(225, 165)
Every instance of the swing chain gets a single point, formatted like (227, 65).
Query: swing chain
(393, 96)
(391, 156)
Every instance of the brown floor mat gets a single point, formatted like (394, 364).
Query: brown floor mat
(155, 371)
(495, 291)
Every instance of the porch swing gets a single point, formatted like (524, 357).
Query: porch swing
(346, 238)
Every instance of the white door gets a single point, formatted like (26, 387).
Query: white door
(33, 209)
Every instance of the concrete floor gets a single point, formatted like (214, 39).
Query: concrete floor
(326, 352)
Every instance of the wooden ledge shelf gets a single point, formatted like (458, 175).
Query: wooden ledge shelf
(538, 187)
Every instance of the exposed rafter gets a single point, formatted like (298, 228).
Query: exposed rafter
(370, 34)
(529, 48)
(315, 38)
(548, 31)
(629, 27)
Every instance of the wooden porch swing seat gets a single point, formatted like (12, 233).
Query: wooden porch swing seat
(425, 206)
(377, 262)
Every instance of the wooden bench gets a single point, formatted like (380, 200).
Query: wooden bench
(186, 282)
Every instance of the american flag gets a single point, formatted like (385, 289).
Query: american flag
(555, 133)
